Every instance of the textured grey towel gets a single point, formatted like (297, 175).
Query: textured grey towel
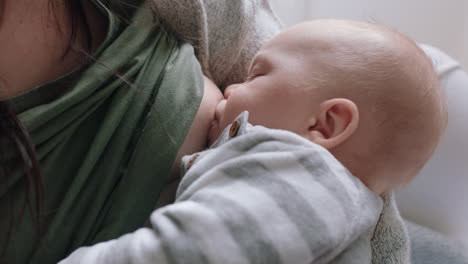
(390, 244)
(227, 39)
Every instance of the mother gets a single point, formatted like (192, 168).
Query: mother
(96, 101)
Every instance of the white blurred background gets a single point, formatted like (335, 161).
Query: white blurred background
(441, 23)
(438, 198)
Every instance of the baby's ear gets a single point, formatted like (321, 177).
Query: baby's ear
(336, 121)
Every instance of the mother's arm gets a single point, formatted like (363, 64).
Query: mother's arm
(226, 34)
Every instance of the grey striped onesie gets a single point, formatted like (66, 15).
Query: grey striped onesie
(257, 196)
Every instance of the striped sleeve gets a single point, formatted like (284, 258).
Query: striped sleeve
(264, 197)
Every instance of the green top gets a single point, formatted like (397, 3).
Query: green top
(105, 147)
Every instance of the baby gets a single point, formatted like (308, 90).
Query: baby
(364, 92)
(332, 114)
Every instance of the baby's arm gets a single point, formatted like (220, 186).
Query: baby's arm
(264, 197)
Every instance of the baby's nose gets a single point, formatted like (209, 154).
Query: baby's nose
(228, 90)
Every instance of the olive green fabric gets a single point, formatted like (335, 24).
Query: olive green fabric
(107, 143)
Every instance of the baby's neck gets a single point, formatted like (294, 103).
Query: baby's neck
(369, 175)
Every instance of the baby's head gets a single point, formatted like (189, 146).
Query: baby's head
(366, 93)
